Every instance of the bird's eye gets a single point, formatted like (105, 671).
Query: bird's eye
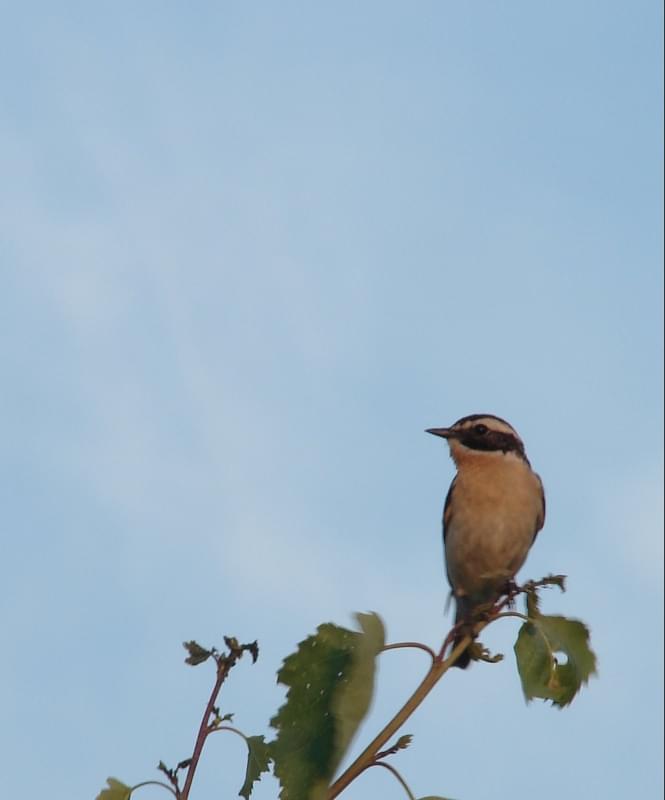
(480, 429)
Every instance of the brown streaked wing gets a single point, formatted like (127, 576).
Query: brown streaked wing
(447, 508)
(540, 519)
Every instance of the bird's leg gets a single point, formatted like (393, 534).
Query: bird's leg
(467, 627)
(510, 590)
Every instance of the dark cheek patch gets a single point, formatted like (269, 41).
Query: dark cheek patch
(492, 441)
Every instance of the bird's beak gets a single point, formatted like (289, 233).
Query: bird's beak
(446, 433)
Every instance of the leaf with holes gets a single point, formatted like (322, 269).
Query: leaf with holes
(330, 680)
(541, 673)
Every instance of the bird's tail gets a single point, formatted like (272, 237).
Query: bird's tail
(462, 613)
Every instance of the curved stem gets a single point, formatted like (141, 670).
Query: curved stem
(449, 638)
(155, 783)
(397, 775)
(513, 614)
(414, 645)
(439, 667)
(229, 728)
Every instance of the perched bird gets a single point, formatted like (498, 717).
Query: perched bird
(494, 508)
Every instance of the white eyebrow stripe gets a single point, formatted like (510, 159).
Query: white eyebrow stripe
(492, 423)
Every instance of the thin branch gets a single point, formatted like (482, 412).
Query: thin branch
(452, 633)
(154, 783)
(229, 728)
(401, 744)
(512, 614)
(439, 667)
(223, 667)
(414, 645)
(392, 769)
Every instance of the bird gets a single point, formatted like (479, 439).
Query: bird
(493, 511)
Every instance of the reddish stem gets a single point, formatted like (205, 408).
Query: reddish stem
(223, 668)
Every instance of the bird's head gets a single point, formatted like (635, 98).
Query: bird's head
(478, 434)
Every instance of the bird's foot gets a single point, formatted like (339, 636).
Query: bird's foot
(510, 590)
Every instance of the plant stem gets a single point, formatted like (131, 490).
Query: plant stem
(414, 645)
(223, 667)
(513, 614)
(439, 667)
(397, 775)
(229, 728)
(154, 783)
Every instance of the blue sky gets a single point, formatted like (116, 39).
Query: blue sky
(249, 252)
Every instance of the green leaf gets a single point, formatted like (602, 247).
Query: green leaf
(330, 680)
(541, 672)
(197, 654)
(116, 791)
(258, 762)
(353, 695)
